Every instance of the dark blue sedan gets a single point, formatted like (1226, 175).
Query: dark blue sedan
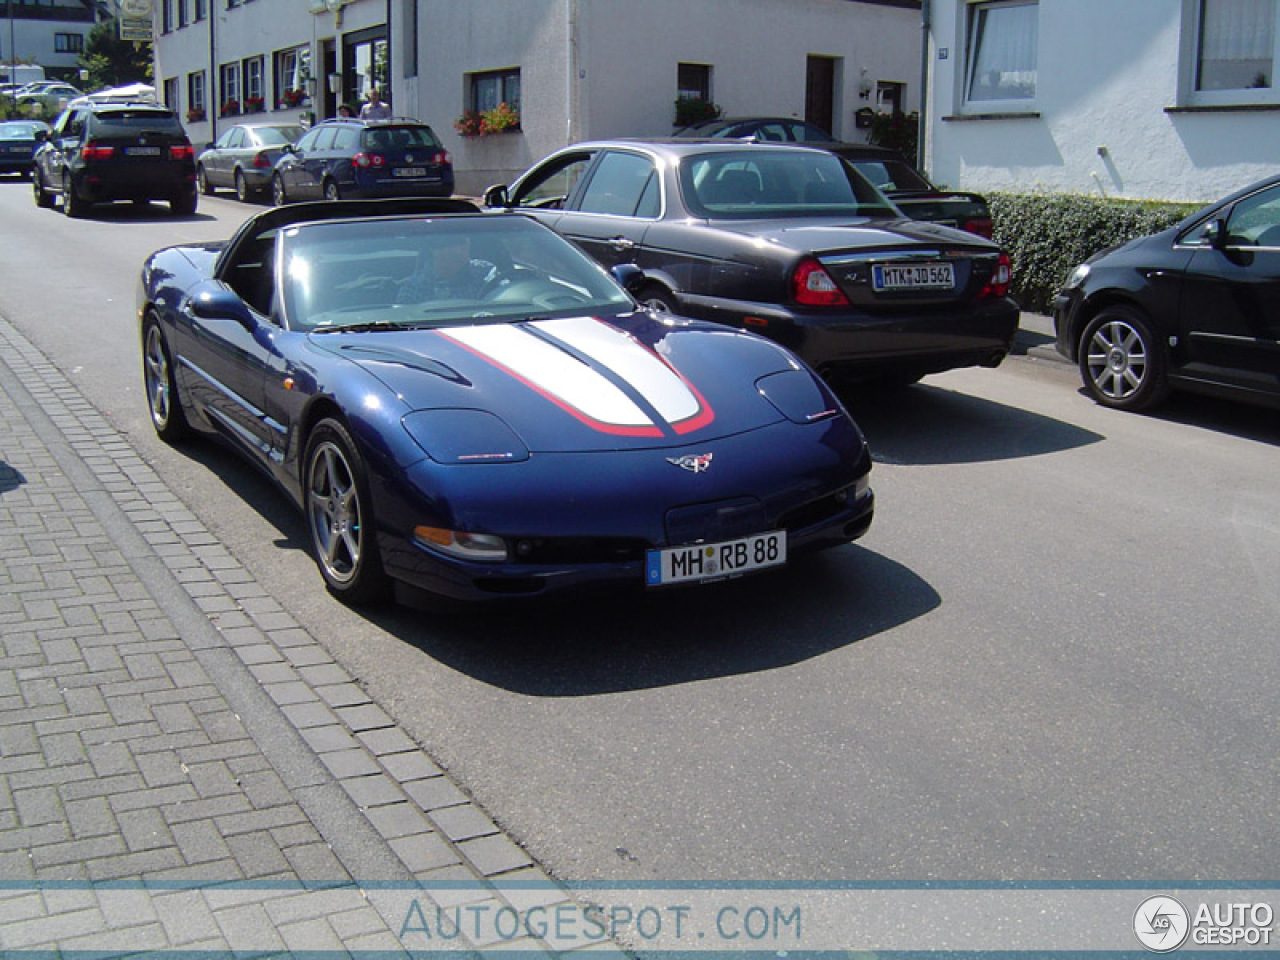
(18, 142)
(470, 405)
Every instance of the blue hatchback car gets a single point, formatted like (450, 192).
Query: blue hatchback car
(347, 158)
(18, 142)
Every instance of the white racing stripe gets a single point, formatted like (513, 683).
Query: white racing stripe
(577, 386)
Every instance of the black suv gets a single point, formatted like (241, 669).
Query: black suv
(99, 152)
(349, 158)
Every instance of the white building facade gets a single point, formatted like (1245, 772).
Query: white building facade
(1144, 99)
(51, 34)
(571, 69)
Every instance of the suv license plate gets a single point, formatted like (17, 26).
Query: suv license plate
(703, 562)
(908, 276)
(142, 151)
(409, 172)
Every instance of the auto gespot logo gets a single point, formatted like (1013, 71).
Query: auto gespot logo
(1162, 924)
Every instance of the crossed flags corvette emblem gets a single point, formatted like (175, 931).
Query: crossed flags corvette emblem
(693, 462)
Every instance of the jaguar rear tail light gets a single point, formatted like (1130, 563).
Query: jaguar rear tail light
(979, 225)
(998, 285)
(97, 151)
(812, 286)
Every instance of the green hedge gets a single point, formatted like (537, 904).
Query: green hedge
(1048, 234)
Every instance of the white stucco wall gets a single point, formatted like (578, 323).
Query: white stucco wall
(1107, 71)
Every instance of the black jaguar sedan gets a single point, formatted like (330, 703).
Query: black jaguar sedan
(784, 240)
(1195, 307)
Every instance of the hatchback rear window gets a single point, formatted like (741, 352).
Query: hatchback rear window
(141, 120)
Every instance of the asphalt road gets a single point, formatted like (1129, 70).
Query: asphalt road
(1053, 658)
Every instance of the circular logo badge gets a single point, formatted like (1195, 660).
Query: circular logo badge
(1161, 924)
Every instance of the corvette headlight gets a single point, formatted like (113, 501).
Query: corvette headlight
(485, 547)
(465, 436)
(797, 396)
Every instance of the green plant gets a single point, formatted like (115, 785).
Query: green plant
(470, 124)
(1048, 234)
(901, 131)
(691, 110)
(500, 119)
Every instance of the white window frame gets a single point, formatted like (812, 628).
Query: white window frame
(1190, 66)
(970, 12)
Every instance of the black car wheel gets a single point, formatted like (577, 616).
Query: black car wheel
(331, 190)
(157, 376)
(657, 297)
(340, 516)
(184, 205)
(42, 198)
(202, 181)
(72, 205)
(1122, 363)
(242, 187)
(278, 195)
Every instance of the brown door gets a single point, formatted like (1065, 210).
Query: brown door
(819, 92)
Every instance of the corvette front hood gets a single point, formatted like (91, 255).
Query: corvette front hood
(580, 383)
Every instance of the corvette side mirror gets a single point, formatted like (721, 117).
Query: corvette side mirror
(215, 302)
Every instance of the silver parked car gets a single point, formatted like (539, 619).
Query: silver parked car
(243, 157)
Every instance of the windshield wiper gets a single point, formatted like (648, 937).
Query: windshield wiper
(370, 326)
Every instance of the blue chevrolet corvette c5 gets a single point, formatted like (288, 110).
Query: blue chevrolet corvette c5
(466, 403)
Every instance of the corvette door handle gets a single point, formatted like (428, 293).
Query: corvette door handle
(622, 243)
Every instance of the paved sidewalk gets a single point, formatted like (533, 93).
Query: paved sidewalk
(182, 766)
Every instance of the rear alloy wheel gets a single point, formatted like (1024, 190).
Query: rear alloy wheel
(202, 181)
(331, 191)
(278, 196)
(157, 376)
(1122, 363)
(340, 516)
(42, 198)
(242, 188)
(72, 205)
(657, 297)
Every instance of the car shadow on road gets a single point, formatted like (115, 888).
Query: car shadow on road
(923, 425)
(614, 643)
(1229, 417)
(157, 210)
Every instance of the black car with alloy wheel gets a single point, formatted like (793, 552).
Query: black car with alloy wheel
(101, 152)
(1195, 307)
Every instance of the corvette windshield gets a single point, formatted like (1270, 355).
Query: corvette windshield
(391, 274)
(756, 184)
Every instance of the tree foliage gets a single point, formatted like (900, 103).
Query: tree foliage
(112, 62)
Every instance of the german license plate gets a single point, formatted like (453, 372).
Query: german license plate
(142, 151)
(913, 276)
(715, 561)
(409, 172)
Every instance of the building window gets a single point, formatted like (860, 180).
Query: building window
(254, 100)
(171, 93)
(292, 76)
(229, 89)
(1235, 51)
(195, 96)
(495, 87)
(1000, 48)
(68, 43)
(184, 13)
(693, 81)
(201, 10)
(166, 16)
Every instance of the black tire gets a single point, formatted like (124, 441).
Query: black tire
(1123, 364)
(339, 512)
(279, 197)
(243, 193)
(332, 191)
(167, 415)
(657, 297)
(42, 197)
(202, 181)
(184, 205)
(72, 205)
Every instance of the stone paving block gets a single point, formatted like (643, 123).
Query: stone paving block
(434, 793)
(463, 822)
(199, 841)
(17, 738)
(38, 805)
(264, 788)
(175, 717)
(111, 759)
(398, 820)
(310, 936)
(372, 791)
(414, 765)
(248, 927)
(349, 763)
(90, 818)
(186, 811)
(186, 916)
(234, 823)
(424, 851)
(314, 862)
(368, 716)
(29, 933)
(76, 851)
(332, 737)
(162, 797)
(257, 854)
(342, 695)
(144, 829)
(387, 740)
(314, 714)
(134, 864)
(116, 943)
(161, 769)
(213, 779)
(494, 855)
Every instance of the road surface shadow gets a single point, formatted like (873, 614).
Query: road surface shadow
(924, 424)
(613, 643)
(1229, 417)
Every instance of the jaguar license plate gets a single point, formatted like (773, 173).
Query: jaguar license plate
(715, 561)
(913, 276)
(142, 151)
(409, 172)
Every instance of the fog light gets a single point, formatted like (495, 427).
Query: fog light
(459, 543)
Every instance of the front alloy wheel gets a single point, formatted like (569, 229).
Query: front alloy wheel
(278, 195)
(1122, 363)
(157, 376)
(340, 516)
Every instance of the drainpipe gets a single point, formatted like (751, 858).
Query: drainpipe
(574, 127)
(926, 11)
(211, 84)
